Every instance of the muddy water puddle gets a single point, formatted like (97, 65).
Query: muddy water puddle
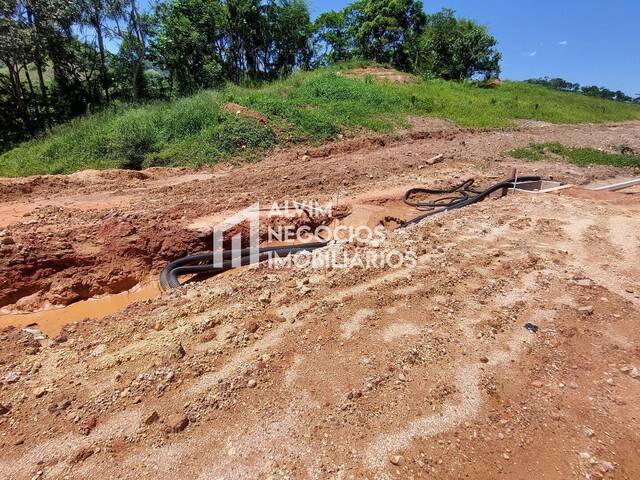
(52, 320)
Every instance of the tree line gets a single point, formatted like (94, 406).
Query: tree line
(590, 91)
(63, 58)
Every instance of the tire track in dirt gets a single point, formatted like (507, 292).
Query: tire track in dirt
(615, 276)
(467, 378)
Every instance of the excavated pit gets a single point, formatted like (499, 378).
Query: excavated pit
(373, 210)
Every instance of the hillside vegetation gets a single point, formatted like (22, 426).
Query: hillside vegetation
(308, 107)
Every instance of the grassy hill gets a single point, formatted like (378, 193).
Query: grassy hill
(307, 107)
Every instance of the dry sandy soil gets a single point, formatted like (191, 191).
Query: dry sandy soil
(425, 372)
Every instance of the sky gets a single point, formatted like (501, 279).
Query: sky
(591, 42)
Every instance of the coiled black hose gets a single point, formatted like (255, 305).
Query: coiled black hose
(463, 191)
(201, 263)
(463, 199)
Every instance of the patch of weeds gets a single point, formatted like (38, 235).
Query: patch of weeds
(134, 135)
(238, 135)
(577, 156)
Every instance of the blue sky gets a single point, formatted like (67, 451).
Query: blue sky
(592, 42)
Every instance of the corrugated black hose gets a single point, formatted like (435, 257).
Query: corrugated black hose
(202, 263)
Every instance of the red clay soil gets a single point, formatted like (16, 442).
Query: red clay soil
(69, 238)
(511, 350)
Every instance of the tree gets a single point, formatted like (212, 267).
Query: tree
(190, 43)
(204, 43)
(384, 31)
(378, 30)
(95, 13)
(555, 83)
(76, 85)
(19, 113)
(332, 36)
(134, 35)
(590, 91)
(290, 29)
(456, 49)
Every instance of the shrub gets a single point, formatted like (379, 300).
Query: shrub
(239, 135)
(134, 134)
(189, 116)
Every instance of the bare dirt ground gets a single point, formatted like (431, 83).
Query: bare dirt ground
(425, 372)
(381, 73)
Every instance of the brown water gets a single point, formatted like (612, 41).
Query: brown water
(51, 321)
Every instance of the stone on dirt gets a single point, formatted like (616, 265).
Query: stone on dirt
(265, 296)
(251, 326)
(39, 392)
(11, 377)
(175, 352)
(88, 424)
(151, 418)
(81, 455)
(176, 423)
(436, 159)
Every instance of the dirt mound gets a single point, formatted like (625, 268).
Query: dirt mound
(245, 112)
(382, 74)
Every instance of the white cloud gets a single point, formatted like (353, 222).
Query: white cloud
(533, 54)
(563, 42)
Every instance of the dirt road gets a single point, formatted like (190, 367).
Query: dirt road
(510, 350)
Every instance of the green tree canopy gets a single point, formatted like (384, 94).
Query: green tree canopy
(379, 30)
(202, 43)
(456, 48)
(333, 38)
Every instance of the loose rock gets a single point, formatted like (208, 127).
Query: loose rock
(176, 423)
(39, 392)
(11, 377)
(265, 296)
(151, 418)
(81, 455)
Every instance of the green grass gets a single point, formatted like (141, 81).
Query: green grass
(578, 156)
(309, 107)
